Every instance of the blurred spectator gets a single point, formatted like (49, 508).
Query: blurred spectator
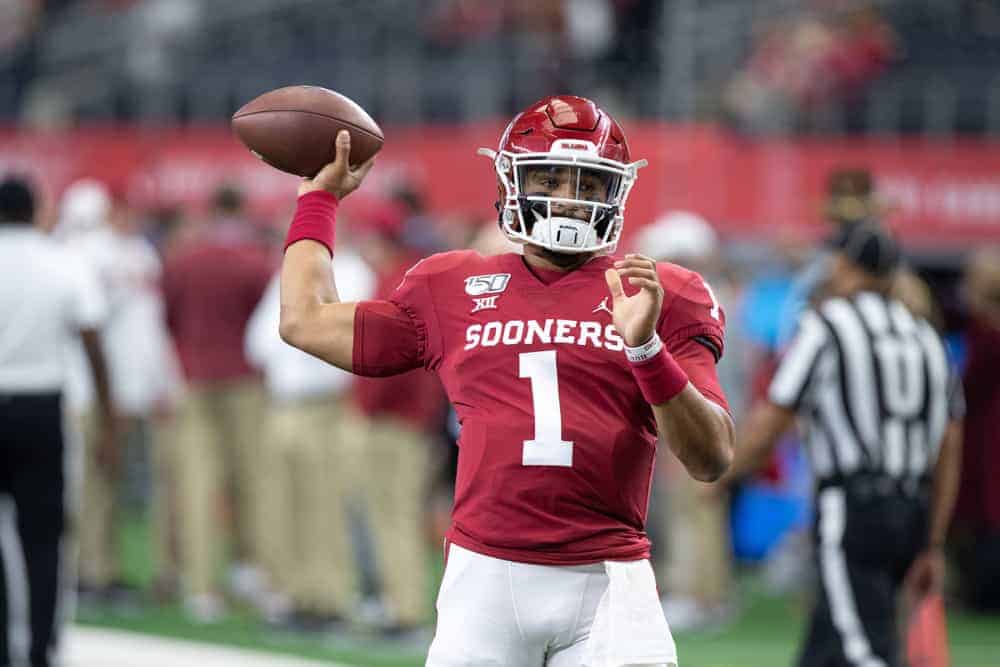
(212, 286)
(17, 19)
(48, 296)
(978, 512)
(310, 452)
(695, 568)
(915, 294)
(401, 414)
(850, 196)
(139, 356)
(850, 199)
(19, 23)
(807, 62)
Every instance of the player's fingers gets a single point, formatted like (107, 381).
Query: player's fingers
(645, 283)
(638, 272)
(635, 261)
(639, 256)
(614, 284)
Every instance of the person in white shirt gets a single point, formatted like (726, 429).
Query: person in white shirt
(696, 568)
(308, 450)
(139, 354)
(47, 298)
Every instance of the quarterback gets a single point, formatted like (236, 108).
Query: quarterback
(563, 363)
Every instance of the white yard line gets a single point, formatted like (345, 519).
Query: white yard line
(88, 647)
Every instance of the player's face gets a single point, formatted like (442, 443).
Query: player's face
(563, 182)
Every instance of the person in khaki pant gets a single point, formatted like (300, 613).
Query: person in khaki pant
(309, 451)
(308, 555)
(218, 431)
(695, 568)
(211, 285)
(396, 463)
(399, 416)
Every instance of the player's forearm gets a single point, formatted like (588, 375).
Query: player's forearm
(312, 318)
(698, 432)
(944, 494)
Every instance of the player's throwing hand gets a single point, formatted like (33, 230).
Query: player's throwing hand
(339, 178)
(635, 316)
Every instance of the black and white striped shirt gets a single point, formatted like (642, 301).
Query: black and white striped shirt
(873, 383)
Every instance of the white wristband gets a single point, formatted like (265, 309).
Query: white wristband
(646, 351)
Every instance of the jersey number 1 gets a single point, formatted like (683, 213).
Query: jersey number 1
(547, 448)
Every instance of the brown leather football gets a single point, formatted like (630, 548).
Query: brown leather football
(294, 128)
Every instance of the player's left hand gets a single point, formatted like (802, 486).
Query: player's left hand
(635, 316)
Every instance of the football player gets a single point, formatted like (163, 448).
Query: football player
(563, 363)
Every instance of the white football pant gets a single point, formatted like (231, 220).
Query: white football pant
(494, 612)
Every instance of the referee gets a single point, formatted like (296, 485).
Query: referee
(870, 381)
(46, 299)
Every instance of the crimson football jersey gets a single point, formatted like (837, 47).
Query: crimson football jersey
(557, 444)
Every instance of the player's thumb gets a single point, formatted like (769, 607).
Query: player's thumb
(614, 284)
(343, 152)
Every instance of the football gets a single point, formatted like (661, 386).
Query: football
(294, 128)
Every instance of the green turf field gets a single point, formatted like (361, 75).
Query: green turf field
(765, 634)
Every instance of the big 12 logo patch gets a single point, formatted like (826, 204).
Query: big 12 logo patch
(492, 284)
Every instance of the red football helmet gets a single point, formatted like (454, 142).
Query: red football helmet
(563, 164)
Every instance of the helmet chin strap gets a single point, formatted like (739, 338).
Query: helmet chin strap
(561, 234)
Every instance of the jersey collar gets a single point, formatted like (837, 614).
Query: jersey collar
(517, 264)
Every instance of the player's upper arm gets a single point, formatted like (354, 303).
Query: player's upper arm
(692, 327)
(690, 311)
(388, 339)
(402, 333)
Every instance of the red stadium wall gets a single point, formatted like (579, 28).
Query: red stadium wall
(939, 191)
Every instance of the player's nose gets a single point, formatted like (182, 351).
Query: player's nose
(566, 190)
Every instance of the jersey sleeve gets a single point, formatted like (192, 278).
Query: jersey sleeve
(400, 333)
(797, 366)
(691, 312)
(692, 328)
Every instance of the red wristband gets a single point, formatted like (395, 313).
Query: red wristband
(660, 378)
(315, 218)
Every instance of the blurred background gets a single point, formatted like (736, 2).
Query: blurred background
(264, 502)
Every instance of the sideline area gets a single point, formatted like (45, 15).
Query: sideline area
(91, 647)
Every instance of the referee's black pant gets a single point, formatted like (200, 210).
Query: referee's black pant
(867, 534)
(31, 475)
